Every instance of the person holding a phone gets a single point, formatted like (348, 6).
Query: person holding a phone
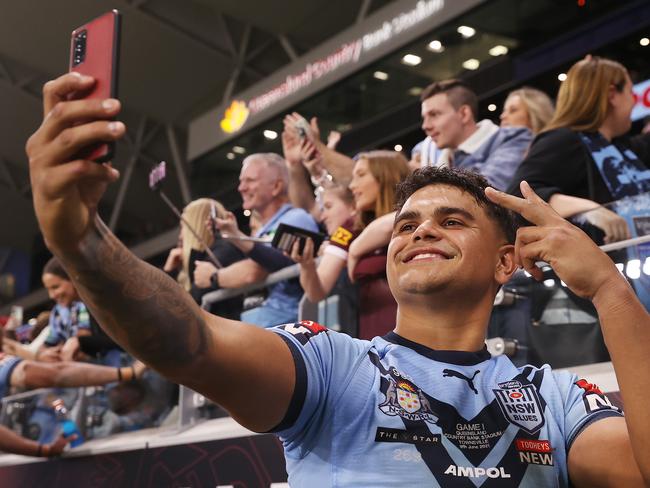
(263, 186)
(342, 405)
(329, 276)
(194, 237)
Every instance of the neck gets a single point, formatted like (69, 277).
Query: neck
(270, 210)
(468, 131)
(445, 324)
(606, 131)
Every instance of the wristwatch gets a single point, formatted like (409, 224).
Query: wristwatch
(214, 279)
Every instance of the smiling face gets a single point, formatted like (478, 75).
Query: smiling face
(364, 187)
(61, 291)
(515, 113)
(444, 241)
(258, 185)
(442, 122)
(335, 211)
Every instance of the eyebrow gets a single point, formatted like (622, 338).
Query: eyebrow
(437, 213)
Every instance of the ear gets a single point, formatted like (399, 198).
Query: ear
(506, 266)
(611, 92)
(278, 187)
(466, 115)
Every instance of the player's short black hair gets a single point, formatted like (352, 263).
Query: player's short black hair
(467, 181)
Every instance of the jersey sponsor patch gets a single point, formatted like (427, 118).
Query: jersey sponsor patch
(476, 472)
(425, 438)
(405, 399)
(304, 330)
(521, 407)
(447, 373)
(533, 451)
(342, 237)
(594, 399)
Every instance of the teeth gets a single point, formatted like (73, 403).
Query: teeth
(427, 255)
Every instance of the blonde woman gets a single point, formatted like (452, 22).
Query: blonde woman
(195, 238)
(527, 107)
(563, 164)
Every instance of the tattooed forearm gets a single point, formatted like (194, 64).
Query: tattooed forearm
(139, 306)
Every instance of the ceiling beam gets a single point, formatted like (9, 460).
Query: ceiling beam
(241, 64)
(363, 10)
(181, 171)
(288, 48)
(127, 173)
(192, 36)
(4, 72)
(223, 27)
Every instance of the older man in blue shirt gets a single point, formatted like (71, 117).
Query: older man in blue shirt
(263, 185)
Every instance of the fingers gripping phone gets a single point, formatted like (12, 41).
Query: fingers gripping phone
(94, 51)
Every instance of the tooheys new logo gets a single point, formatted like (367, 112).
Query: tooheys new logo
(532, 451)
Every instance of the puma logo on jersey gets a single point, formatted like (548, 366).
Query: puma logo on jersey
(470, 381)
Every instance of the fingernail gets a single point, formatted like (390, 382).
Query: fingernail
(110, 104)
(74, 73)
(115, 127)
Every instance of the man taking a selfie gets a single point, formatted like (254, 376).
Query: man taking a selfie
(424, 405)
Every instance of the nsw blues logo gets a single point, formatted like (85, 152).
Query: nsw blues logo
(520, 405)
(405, 399)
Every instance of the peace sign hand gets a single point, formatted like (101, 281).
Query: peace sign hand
(574, 257)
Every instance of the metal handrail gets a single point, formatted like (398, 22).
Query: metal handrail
(287, 273)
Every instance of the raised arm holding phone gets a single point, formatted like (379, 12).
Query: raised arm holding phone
(334, 399)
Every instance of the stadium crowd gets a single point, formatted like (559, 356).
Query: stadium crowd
(575, 153)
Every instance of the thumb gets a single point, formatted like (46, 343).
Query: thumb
(314, 125)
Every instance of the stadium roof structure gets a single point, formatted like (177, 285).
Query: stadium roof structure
(178, 59)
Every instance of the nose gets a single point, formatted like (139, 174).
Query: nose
(427, 230)
(241, 187)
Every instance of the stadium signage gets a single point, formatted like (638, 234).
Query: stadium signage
(381, 33)
(347, 53)
(642, 100)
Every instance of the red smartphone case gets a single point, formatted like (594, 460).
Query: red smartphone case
(94, 51)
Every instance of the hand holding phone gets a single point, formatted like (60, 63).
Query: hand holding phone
(286, 235)
(94, 51)
(213, 221)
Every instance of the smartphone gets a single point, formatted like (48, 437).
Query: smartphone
(213, 221)
(286, 235)
(302, 127)
(94, 51)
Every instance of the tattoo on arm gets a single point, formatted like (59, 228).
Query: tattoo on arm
(139, 306)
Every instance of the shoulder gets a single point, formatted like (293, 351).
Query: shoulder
(510, 133)
(300, 218)
(556, 137)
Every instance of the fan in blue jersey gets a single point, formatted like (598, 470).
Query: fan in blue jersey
(425, 405)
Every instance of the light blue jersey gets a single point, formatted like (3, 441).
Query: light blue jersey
(390, 412)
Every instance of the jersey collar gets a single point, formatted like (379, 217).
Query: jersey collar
(461, 358)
